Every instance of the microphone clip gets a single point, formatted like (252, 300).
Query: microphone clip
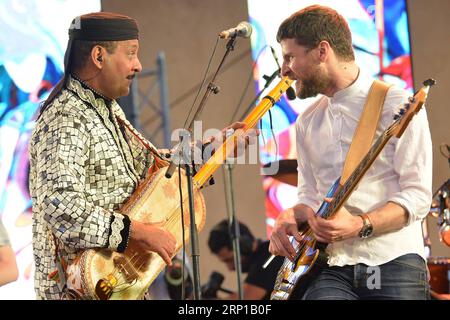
(243, 29)
(181, 154)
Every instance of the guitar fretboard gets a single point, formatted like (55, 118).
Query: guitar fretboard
(344, 192)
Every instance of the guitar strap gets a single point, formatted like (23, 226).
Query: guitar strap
(365, 131)
(159, 162)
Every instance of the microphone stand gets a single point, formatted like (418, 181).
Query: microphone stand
(269, 80)
(233, 226)
(193, 226)
(186, 160)
(229, 195)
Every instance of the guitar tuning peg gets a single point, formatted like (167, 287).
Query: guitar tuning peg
(429, 82)
(402, 111)
(412, 99)
(396, 117)
(407, 105)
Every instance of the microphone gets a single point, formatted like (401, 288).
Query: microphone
(290, 92)
(274, 55)
(171, 169)
(243, 29)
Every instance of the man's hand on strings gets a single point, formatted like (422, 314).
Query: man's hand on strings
(285, 226)
(242, 141)
(341, 226)
(153, 237)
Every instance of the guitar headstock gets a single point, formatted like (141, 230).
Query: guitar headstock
(410, 109)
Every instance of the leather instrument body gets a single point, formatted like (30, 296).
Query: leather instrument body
(104, 274)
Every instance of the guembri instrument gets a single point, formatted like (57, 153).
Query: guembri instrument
(104, 274)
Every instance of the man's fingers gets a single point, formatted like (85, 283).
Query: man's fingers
(172, 238)
(165, 256)
(238, 125)
(319, 233)
(158, 224)
(284, 246)
(273, 248)
(298, 237)
(280, 250)
(324, 224)
(322, 239)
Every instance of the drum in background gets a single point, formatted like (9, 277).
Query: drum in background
(440, 208)
(439, 274)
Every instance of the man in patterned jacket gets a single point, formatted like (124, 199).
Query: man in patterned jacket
(85, 163)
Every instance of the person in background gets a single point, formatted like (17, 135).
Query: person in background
(259, 283)
(8, 266)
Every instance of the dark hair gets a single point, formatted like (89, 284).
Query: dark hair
(81, 50)
(219, 237)
(316, 23)
(78, 51)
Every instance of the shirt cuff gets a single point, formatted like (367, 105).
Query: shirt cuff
(119, 233)
(407, 207)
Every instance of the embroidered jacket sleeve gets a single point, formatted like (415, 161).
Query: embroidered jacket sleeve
(60, 151)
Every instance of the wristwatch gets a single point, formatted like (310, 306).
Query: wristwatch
(367, 228)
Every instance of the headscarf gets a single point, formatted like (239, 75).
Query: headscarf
(96, 26)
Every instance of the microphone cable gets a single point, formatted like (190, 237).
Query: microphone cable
(203, 82)
(244, 92)
(183, 264)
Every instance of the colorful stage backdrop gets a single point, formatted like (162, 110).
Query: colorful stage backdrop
(33, 40)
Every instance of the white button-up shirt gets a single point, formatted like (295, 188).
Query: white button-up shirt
(402, 172)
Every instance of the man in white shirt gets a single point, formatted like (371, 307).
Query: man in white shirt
(380, 224)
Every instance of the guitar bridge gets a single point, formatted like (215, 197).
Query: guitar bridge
(126, 268)
(105, 286)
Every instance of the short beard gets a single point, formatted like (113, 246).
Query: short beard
(314, 85)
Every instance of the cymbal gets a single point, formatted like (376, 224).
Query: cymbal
(282, 170)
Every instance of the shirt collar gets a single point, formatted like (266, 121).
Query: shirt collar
(77, 84)
(351, 90)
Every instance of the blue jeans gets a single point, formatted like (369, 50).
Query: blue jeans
(402, 278)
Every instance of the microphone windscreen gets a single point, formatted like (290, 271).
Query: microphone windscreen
(246, 29)
(290, 92)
